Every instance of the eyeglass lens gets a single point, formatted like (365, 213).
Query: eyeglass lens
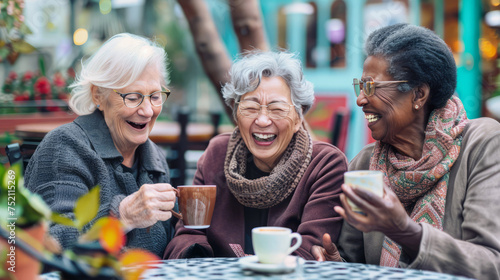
(135, 99)
(368, 87)
(252, 109)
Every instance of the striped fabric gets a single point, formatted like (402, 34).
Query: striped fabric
(421, 185)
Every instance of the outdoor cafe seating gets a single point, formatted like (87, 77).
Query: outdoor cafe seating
(177, 137)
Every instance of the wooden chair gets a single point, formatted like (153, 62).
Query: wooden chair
(340, 128)
(16, 152)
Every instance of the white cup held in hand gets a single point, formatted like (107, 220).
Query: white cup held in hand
(365, 179)
(272, 244)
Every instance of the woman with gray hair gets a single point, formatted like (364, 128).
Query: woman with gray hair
(268, 172)
(118, 95)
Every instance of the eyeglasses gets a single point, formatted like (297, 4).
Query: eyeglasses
(369, 86)
(276, 110)
(134, 99)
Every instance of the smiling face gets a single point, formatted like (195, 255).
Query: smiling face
(268, 138)
(390, 113)
(130, 127)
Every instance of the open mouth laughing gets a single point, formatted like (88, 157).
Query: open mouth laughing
(371, 118)
(264, 137)
(137, 125)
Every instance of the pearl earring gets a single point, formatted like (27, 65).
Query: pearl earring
(416, 107)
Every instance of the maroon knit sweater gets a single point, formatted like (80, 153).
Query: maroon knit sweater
(308, 210)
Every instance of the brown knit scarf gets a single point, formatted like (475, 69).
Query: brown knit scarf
(267, 191)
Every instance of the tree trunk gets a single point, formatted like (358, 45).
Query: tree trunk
(211, 51)
(249, 29)
(248, 25)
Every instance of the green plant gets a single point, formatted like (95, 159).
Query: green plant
(24, 208)
(13, 30)
(98, 254)
(101, 246)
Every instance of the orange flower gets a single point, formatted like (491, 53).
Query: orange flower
(111, 236)
(135, 261)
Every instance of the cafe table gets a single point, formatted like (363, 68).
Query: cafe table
(230, 268)
(163, 132)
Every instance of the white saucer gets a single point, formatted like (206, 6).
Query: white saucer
(252, 263)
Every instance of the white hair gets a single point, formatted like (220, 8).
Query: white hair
(247, 72)
(118, 63)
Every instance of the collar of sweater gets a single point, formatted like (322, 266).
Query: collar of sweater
(98, 133)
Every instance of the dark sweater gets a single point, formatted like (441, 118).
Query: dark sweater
(308, 210)
(77, 156)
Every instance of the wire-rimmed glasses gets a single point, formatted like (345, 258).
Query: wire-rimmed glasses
(275, 110)
(134, 99)
(369, 86)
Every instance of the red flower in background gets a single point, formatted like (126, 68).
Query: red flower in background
(42, 86)
(12, 75)
(59, 80)
(22, 97)
(28, 75)
(71, 73)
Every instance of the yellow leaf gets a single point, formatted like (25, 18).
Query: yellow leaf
(22, 47)
(86, 207)
(94, 232)
(59, 219)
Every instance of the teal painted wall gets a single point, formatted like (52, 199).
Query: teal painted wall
(337, 81)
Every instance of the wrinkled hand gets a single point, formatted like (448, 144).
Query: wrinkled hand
(151, 203)
(385, 214)
(328, 252)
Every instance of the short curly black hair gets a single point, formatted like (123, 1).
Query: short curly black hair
(417, 55)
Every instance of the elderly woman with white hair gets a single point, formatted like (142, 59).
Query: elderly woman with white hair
(269, 171)
(118, 96)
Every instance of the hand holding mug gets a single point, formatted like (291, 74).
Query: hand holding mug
(150, 204)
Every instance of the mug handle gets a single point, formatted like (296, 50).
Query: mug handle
(175, 214)
(298, 237)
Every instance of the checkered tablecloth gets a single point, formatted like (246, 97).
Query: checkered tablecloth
(229, 268)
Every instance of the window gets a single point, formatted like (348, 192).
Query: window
(336, 33)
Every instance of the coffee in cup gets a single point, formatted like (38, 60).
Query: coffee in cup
(365, 179)
(272, 244)
(196, 205)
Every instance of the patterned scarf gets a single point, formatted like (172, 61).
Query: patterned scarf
(421, 185)
(267, 191)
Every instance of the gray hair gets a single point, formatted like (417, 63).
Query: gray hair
(417, 55)
(247, 72)
(118, 63)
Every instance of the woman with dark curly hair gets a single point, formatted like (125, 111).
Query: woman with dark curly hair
(441, 170)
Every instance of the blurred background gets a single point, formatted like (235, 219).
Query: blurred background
(42, 44)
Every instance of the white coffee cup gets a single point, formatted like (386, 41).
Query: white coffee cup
(365, 179)
(272, 244)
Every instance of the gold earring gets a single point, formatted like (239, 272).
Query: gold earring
(416, 107)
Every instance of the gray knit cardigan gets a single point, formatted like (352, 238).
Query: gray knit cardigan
(80, 155)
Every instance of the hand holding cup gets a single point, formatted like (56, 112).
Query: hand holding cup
(365, 179)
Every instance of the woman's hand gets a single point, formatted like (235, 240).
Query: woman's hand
(148, 205)
(328, 252)
(385, 214)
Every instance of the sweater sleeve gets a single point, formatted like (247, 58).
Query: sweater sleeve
(323, 184)
(476, 253)
(59, 172)
(190, 242)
